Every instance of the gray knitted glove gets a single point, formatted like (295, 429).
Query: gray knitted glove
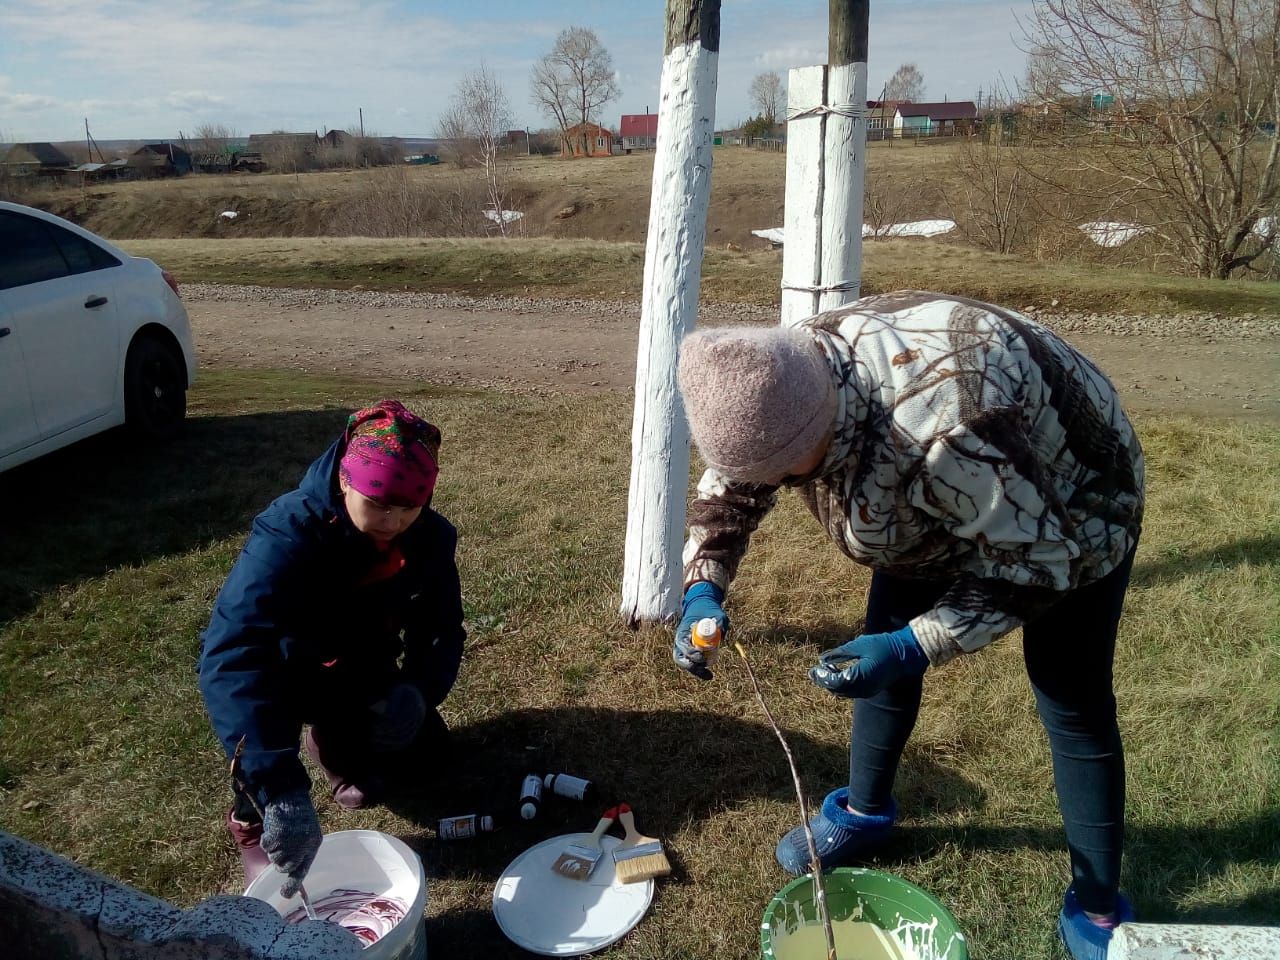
(291, 837)
(397, 719)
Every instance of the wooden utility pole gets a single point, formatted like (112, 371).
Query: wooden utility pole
(826, 170)
(669, 307)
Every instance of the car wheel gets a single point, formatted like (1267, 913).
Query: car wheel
(155, 390)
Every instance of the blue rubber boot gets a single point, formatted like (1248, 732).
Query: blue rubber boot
(839, 836)
(1086, 940)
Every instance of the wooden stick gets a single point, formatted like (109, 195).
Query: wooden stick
(244, 788)
(815, 863)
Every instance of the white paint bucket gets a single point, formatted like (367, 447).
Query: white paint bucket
(373, 863)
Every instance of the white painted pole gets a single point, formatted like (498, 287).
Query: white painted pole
(844, 163)
(802, 213)
(672, 276)
(1183, 941)
(826, 170)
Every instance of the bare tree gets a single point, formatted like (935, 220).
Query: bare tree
(211, 147)
(454, 132)
(286, 152)
(574, 81)
(215, 137)
(990, 200)
(768, 96)
(907, 83)
(1178, 91)
(477, 122)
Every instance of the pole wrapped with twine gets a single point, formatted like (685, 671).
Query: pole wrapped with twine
(815, 863)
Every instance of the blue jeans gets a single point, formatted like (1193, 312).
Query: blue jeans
(1068, 652)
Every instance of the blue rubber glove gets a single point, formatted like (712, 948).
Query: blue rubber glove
(872, 662)
(291, 837)
(701, 600)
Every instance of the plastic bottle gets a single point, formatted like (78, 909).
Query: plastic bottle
(530, 796)
(566, 785)
(706, 637)
(463, 828)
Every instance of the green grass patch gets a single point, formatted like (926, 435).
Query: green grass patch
(112, 556)
(598, 269)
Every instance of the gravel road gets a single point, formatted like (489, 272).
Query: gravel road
(1198, 364)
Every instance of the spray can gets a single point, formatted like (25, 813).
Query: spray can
(566, 785)
(530, 796)
(706, 637)
(463, 828)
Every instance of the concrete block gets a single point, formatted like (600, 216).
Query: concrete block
(53, 909)
(1184, 941)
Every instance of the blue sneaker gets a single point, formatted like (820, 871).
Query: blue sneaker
(838, 835)
(1086, 940)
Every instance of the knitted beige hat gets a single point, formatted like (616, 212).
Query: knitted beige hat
(758, 399)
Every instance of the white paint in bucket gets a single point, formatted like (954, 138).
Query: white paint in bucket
(368, 861)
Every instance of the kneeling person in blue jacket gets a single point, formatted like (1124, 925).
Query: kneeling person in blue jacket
(344, 613)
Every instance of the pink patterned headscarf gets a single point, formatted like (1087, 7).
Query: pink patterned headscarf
(392, 455)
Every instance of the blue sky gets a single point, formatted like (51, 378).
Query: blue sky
(142, 68)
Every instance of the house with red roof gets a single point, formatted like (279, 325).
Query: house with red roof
(639, 131)
(935, 119)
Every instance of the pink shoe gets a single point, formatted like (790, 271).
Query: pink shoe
(346, 793)
(247, 837)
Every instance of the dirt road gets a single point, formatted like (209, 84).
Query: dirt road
(1201, 366)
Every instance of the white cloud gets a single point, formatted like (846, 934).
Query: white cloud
(13, 101)
(286, 63)
(25, 102)
(192, 100)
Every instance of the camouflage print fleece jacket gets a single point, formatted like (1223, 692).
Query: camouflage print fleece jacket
(971, 445)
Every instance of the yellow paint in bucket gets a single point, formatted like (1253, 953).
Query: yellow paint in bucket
(907, 923)
(855, 940)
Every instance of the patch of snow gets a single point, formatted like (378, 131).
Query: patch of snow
(772, 234)
(229, 214)
(506, 216)
(916, 228)
(1263, 227)
(1107, 234)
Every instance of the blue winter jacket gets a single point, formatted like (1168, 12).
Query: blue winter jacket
(297, 634)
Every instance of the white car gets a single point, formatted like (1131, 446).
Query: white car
(90, 338)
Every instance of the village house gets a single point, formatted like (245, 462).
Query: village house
(935, 119)
(160, 160)
(32, 159)
(98, 172)
(587, 140)
(285, 151)
(639, 131)
(880, 117)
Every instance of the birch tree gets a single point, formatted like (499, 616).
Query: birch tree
(573, 82)
(477, 120)
(1185, 95)
(767, 96)
(907, 83)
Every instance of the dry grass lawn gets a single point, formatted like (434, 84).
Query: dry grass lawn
(106, 756)
(584, 268)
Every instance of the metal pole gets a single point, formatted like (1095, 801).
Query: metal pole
(672, 276)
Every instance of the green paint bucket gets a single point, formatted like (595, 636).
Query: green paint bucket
(913, 917)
